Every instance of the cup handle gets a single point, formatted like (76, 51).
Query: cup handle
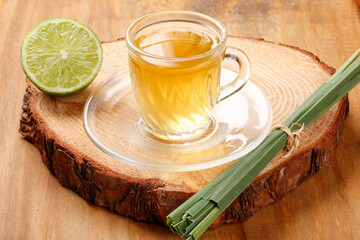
(241, 79)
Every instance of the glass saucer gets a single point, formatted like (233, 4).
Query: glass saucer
(110, 119)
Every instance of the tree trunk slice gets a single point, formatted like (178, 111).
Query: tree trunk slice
(287, 75)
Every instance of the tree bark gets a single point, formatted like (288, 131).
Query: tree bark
(54, 126)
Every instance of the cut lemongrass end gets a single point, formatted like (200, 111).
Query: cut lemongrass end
(347, 63)
(195, 215)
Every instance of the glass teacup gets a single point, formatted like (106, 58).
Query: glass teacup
(175, 60)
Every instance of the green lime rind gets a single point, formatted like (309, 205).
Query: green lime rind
(61, 56)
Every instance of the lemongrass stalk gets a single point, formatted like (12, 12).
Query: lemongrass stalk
(194, 216)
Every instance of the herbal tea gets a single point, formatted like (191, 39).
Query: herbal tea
(176, 97)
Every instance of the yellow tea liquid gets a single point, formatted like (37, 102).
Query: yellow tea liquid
(176, 96)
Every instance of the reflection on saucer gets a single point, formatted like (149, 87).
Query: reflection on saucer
(241, 122)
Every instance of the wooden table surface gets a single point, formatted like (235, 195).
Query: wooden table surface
(33, 205)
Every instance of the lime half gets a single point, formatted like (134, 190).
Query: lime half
(61, 56)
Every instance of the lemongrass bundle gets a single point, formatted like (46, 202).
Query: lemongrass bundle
(194, 216)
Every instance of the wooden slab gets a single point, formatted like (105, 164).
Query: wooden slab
(286, 74)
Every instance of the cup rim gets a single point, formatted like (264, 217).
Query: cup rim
(220, 44)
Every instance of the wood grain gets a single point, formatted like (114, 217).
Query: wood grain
(324, 207)
(55, 127)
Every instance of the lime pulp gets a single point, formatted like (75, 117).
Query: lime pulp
(61, 56)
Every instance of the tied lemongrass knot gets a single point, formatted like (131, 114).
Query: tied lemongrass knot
(205, 206)
(294, 137)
